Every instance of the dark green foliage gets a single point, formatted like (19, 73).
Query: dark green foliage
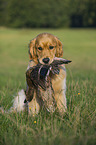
(48, 13)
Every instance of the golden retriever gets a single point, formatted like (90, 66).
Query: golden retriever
(44, 48)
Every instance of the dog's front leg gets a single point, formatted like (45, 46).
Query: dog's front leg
(59, 87)
(34, 105)
(61, 102)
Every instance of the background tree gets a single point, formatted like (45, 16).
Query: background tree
(48, 13)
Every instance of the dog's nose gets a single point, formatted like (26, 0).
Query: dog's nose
(46, 60)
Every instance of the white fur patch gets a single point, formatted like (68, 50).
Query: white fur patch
(18, 102)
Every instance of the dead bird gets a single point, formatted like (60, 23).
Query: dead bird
(39, 78)
(39, 75)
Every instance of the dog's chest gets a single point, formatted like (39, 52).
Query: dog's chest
(58, 81)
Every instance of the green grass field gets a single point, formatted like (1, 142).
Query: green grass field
(78, 125)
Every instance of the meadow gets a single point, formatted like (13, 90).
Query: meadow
(78, 125)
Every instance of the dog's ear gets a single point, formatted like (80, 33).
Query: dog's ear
(32, 50)
(59, 48)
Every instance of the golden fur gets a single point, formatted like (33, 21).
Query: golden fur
(44, 46)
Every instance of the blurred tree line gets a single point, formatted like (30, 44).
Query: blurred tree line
(48, 13)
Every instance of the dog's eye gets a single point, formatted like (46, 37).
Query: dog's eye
(51, 47)
(40, 48)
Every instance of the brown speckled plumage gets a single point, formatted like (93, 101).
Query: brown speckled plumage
(39, 77)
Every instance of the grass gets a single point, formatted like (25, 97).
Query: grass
(78, 125)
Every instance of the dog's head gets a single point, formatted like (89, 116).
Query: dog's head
(44, 48)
